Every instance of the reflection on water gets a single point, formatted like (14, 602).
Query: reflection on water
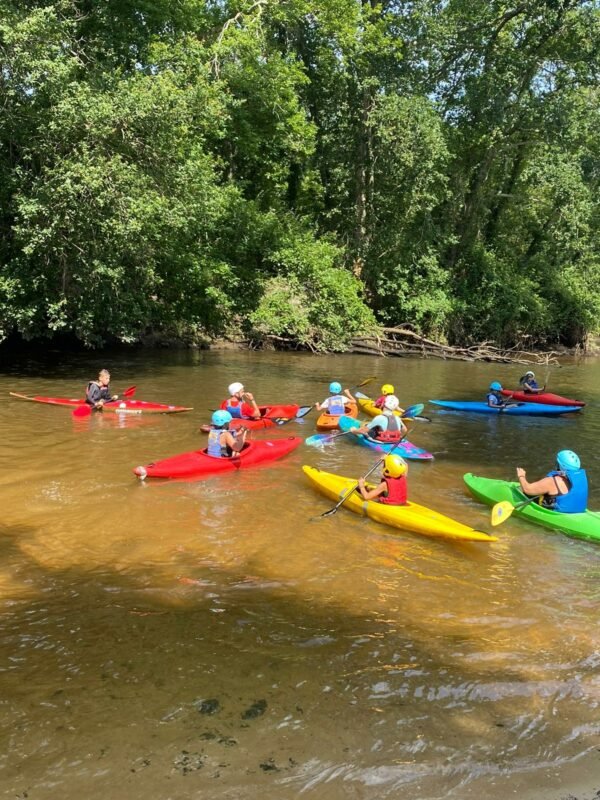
(218, 639)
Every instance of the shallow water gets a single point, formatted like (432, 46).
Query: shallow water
(212, 639)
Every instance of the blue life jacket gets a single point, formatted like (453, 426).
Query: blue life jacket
(214, 447)
(529, 385)
(235, 411)
(494, 400)
(575, 501)
(337, 405)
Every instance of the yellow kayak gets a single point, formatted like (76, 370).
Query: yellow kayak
(368, 406)
(411, 517)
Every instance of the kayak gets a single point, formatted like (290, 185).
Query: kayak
(268, 415)
(368, 406)
(196, 464)
(546, 398)
(330, 422)
(405, 449)
(410, 517)
(118, 406)
(581, 526)
(522, 409)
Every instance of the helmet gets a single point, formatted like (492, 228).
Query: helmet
(567, 459)
(495, 386)
(221, 418)
(530, 372)
(394, 466)
(387, 388)
(234, 388)
(391, 402)
(335, 387)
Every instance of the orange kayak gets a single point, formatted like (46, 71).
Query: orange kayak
(330, 422)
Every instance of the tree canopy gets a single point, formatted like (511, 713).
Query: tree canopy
(300, 169)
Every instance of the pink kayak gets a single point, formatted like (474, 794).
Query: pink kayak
(125, 406)
(546, 398)
(197, 464)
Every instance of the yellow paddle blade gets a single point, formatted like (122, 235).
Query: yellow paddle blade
(501, 512)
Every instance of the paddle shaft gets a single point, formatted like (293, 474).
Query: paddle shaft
(356, 486)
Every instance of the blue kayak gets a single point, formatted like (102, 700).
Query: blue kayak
(520, 409)
(405, 449)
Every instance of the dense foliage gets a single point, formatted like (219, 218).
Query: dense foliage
(300, 169)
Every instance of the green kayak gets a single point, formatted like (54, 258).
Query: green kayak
(580, 526)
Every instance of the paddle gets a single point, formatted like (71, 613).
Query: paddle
(502, 511)
(355, 487)
(86, 409)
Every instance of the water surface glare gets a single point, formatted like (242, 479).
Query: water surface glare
(215, 639)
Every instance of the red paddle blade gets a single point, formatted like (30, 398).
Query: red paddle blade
(129, 392)
(82, 411)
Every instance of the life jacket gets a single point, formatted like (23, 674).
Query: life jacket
(392, 433)
(214, 447)
(337, 405)
(397, 491)
(530, 385)
(494, 400)
(104, 393)
(380, 401)
(575, 500)
(235, 411)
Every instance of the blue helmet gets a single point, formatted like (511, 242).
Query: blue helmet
(567, 460)
(221, 418)
(335, 387)
(496, 387)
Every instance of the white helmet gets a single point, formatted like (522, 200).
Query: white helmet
(234, 388)
(391, 402)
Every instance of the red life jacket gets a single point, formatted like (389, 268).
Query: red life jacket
(397, 491)
(392, 434)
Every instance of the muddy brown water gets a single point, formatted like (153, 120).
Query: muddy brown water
(211, 639)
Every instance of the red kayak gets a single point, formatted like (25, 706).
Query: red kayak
(118, 406)
(196, 464)
(546, 398)
(268, 415)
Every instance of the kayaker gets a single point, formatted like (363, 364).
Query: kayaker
(387, 426)
(393, 489)
(222, 443)
(564, 489)
(337, 402)
(240, 404)
(98, 392)
(386, 390)
(494, 396)
(529, 383)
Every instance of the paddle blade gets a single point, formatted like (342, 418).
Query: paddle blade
(318, 439)
(82, 411)
(303, 411)
(420, 418)
(130, 391)
(366, 381)
(501, 512)
(413, 411)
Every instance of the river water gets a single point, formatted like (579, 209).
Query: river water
(212, 639)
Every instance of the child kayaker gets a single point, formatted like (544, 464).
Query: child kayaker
(529, 383)
(240, 404)
(386, 390)
(337, 402)
(387, 426)
(98, 392)
(494, 396)
(393, 489)
(222, 443)
(563, 489)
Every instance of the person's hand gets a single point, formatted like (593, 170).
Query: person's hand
(521, 473)
(115, 397)
(249, 396)
(99, 404)
(317, 405)
(361, 483)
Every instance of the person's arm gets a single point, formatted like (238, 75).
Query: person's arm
(251, 402)
(349, 396)
(322, 406)
(370, 494)
(236, 443)
(543, 486)
(364, 429)
(93, 395)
